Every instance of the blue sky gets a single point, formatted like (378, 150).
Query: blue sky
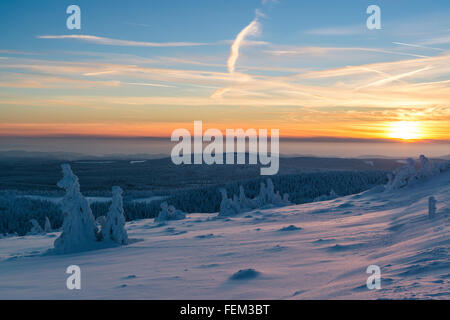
(288, 22)
(305, 62)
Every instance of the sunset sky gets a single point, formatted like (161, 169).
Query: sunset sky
(146, 68)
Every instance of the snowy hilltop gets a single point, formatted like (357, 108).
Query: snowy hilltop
(319, 250)
(80, 231)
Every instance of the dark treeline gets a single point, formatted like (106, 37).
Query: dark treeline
(16, 212)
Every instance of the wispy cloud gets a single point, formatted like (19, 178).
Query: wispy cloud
(292, 51)
(150, 84)
(437, 40)
(118, 42)
(417, 46)
(99, 73)
(394, 78)
(338, 31)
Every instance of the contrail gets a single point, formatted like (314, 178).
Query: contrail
(118, 42)
(252, 29)
(416, 46)
(394, 78)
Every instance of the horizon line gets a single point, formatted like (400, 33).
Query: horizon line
(284, 138)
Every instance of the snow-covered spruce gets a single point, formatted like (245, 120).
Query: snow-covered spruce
(79, 228)
(227, 207)
(169, 213)
(267, 197)
(113, 227)
(101, 222)
(332, 195)
(48, 226)
(411, 173)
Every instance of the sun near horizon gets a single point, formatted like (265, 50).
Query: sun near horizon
(406, 130)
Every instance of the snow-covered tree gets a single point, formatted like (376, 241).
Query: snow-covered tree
(162, 216)
(114, 226)
(238, 204)
(227, 207)
(325, 197)
(244, 202)
(408, 175)
(101, 222)
(36, 228)
(169, 213)
(270, 191)
(426, 168)
(48, 226)
(403, 175)
(79, 228)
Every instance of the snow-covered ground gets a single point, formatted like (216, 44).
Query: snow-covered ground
(311, 251)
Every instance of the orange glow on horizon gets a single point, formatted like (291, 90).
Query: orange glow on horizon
(406, 130)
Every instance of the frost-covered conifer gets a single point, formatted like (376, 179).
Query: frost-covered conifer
(261, 200)
(226, 206)
(48, 226)
(426, 167)
(175, 214)
(114, 227)
(169, 213)
(238, 204)
(36, 228)
(163, 214)
(244, 202)
(270, 191)
(408, 175)
(79, 229)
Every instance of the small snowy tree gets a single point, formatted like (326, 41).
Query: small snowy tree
(325, 197)
(101, 222)
(227, 207)
(244, 202)
(270, 191)
(48, 226)
(114, 226)
(426, 167)
(408, 175)
(163, 214)
(261, 199)
(431, 207)
(169, 213)
(36, 228)
(175, 214)
(79, 229)
(267, 197)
